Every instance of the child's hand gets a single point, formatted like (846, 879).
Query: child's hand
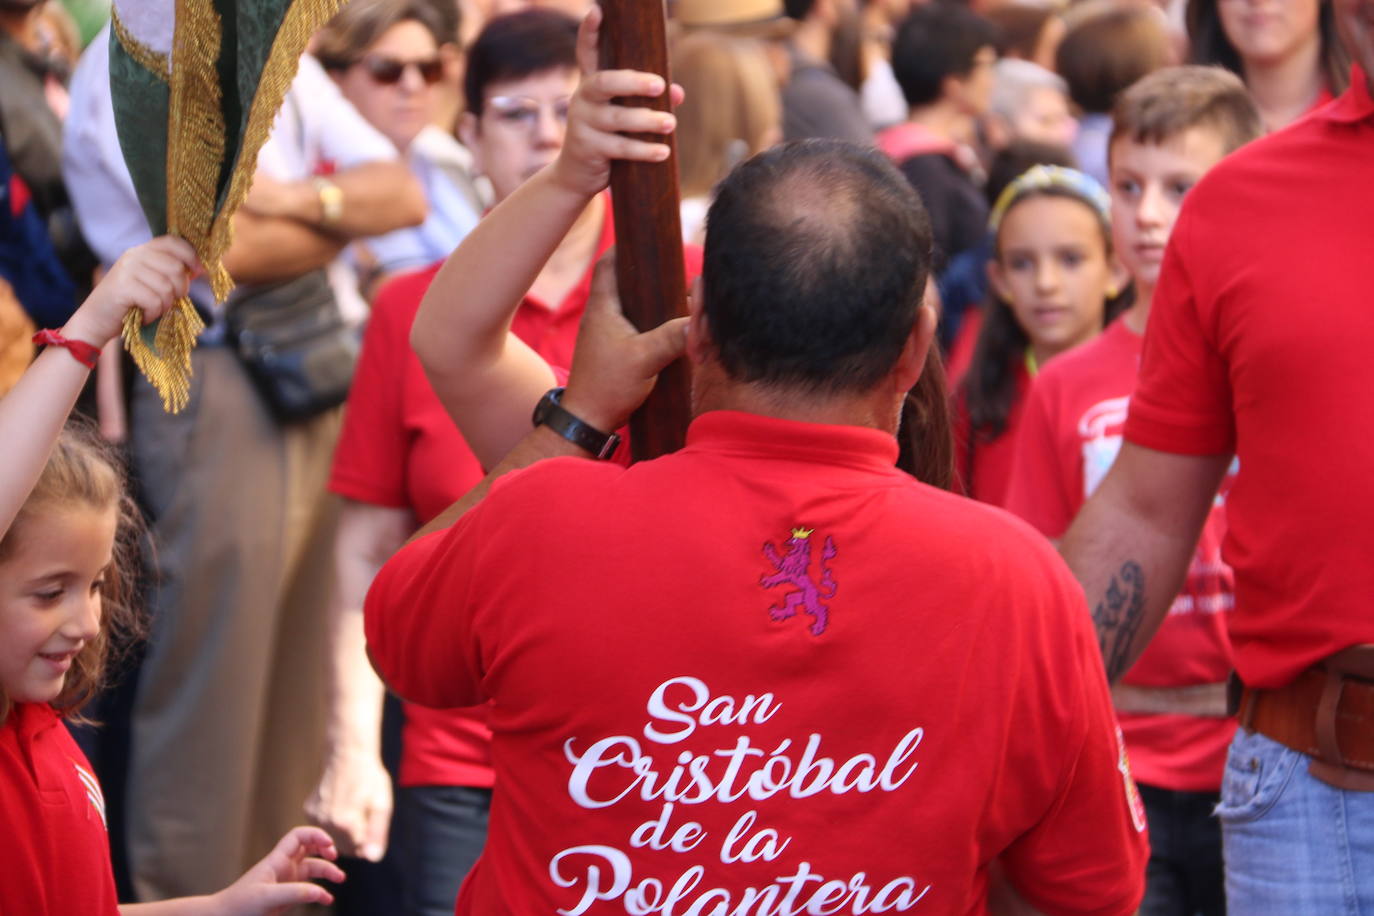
(595, 123)
(149, 277)
(283, 878)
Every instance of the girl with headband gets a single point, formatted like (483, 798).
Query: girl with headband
(1055, 285)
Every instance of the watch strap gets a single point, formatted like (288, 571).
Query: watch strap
(551, 413)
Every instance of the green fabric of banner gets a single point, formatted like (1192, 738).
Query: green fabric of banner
(190, 128)
(140, 107)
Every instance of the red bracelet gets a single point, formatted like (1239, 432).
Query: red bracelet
(84, 353)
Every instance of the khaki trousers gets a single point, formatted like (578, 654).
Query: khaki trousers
(228, 716)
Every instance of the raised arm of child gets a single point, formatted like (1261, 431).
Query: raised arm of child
(487, 379)
(281, 880)
(150, 278)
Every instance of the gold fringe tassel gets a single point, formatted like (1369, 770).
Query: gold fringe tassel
(302, 20)
(195, 150)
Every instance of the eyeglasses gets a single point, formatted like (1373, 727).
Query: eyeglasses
(388, 70)
(523, 112)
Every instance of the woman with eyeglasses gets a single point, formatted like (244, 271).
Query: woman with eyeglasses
(392, 59)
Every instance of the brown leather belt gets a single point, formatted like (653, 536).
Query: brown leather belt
(1327, 713)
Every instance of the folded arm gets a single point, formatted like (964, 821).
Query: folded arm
(282, 232)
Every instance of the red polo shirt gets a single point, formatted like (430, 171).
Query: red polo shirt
(551, 328)
(1259, 344)
(1070, 434)
(702, 665)
(54, 851)
(399, 448)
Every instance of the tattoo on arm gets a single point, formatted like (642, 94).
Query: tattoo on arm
(1118, 617)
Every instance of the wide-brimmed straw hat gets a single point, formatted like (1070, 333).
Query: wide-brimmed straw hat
(745, 18)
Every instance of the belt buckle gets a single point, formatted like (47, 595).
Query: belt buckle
(1329, 765)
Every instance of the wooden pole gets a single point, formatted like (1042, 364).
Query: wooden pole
(648, 227)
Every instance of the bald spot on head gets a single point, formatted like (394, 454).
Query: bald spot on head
(815, 212)
(816, 259)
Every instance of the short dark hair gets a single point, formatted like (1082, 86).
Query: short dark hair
(1108, 46)
(1208, 43)
(518, 45)
(1168, 102)
(938, 40)
(798, 9)
(817, 254)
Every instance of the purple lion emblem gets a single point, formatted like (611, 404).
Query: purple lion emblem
(794, 569)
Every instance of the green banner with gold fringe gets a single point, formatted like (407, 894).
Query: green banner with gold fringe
(196, 85)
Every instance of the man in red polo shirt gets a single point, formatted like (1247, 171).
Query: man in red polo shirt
(401, 459)
(703, 666)
(1260, 328)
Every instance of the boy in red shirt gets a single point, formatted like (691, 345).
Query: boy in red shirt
(1169, 129)
(702, 666)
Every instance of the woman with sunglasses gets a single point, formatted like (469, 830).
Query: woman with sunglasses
(389, 58)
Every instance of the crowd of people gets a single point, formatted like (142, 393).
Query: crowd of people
(1100, 647)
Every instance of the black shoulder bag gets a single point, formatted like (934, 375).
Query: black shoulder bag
(292, 339)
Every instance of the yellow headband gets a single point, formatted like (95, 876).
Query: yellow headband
(1044, 177)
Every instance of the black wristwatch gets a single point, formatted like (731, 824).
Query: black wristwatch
(549, 412)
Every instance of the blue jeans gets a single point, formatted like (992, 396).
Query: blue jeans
(1294, 846)
(439, 832)
(1184, 876)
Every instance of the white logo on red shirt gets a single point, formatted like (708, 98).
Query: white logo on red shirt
(93, 793)
(622, 767)
(1100, 431)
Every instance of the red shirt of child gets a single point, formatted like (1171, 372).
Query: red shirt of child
(400, 448)
(1070, 434)
(704, 666)
(54, 849)
(1258, 345)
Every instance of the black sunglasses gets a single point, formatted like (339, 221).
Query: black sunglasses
(388, 70)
